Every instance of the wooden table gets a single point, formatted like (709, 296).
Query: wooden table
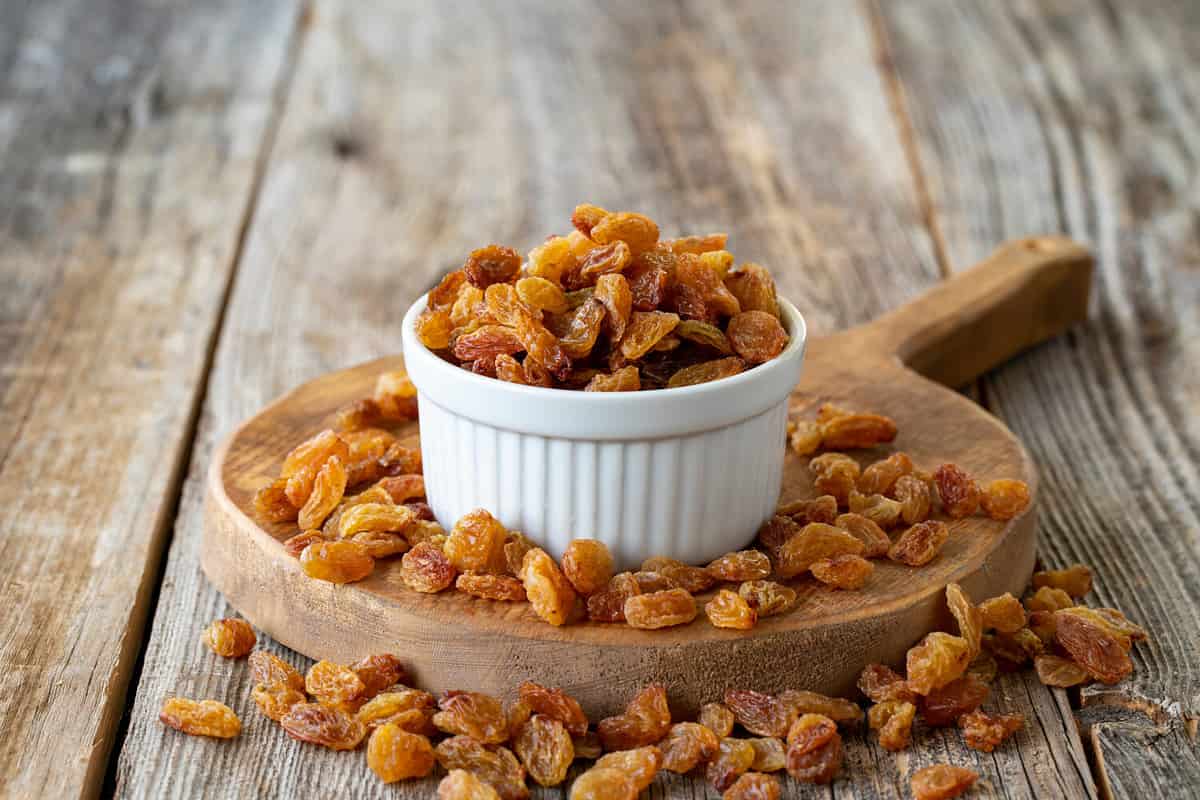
(204, 204)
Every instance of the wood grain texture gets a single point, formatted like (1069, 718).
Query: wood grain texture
(130, 136)
(1104, 149)
(414, 133)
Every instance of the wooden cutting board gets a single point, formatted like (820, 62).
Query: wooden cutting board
(899, 365)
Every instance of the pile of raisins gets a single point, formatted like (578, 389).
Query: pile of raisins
(610, 307)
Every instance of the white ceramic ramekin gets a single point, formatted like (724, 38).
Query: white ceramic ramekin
(690, 473)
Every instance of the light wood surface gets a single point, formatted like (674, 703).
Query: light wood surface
(862, 150)
(1029, 290)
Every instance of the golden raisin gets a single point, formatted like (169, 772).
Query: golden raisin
(799, 701)
(705, 334)
(325, 725)
(636, 230)
(881, 477)
(1075, 580)
(894, 720)
(374, 517)
(1093, 644)
(336, 562)
(588, 565)
(760, 713)
(462, 785)
(660, 609)
(327, 490)
(688, 744)
(541, 294)
(608, 604)
(706, 372)
(881, 683)
(805, 438)
(491, 264)
(473, 714)
(855, 431)
(603, 783)
(1055, 670)
(835, 474)
(639, 764)
(276, 700)
(1005, 498)
(967, 615)
(769, 754)
(743, 565)
(394, 754)
(625, 379)
(615, 296)
(434, 328)
(983, 731)
(875, 542)
(1003, 613)
(733, 759)
(1049, 598)
(959, 493)
(843, 572)
(271, 670)
(334, 684)
(200, 717)
(753, 786)
(493, 765)
(409, 709)
(813, 543)
(645, 721)
(729, 609)
(754, 288)
(230, 637)
(937, 660)
(545, 748)
(606, 260)
(767, 597)
(756, 336)
(476, 543)
(883, 511)
(941, 782)
(694, 579)
(698, 244)
(717, 718)
(491, 587)
(920, 544)
(271, 503)
(814, 749)
(915, 499)
(943, 706)
(550, 593)
(646, 329)
(425, 568)
(555, 704)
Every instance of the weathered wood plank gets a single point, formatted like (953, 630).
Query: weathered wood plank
(130, 137)
(1080, 117)
(412, 137)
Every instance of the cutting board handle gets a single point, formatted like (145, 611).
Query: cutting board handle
(1027, 291)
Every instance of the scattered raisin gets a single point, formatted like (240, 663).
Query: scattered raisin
(688, 744)
(336, 562)
(545, 748)
(875, 542)
(394, 754)
(959, 493)
(941, 782)
(814, 749)
(729, 609)
(1003, 613)
(983, 731)
(843, 572)
(200, 717)
(753, 786)
(1005, 498)
(920, 544)
(733, 759)
(943, 706)
(462, 785)
(230, 637)
(743, 565)
(894, 720)
(1075, 580)
(325, 725)
(660, 609)
(1055, 670)
(639, 764)
(767, 597)
(588, 565)
(550, 593)
(473, 714)
(491, 587)
(645, 721)
(937, 660)
(425, 568)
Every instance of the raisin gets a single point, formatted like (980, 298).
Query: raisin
(688, 744)
(959, 493)
(1119, 624)
(550, 593)
(324, 725)
(1043, 625)
(943, 706)
(1075, 580)
(276, 700)
(814, 749)
(875, 542)
(646, 329)
(881, 477)
(660, 609)
(937, 660)
(491, 264)
(551, 259)
(409, 709)
(271, 503)
(603, 783)
(984, 667)
(1005, 498)
(473, 714)
(767, 597)
(374, 517)
(625, 379)
(606, 260)
(493, 765)
(1014, 648)
(542, 347)
(541, 294)
(705, 334)
(733, 759)
(327, 491)
(967, 615)
(1093, 644)
(717, 718)
(381, 544)
(706, 372)
(754, 288)
(394, 754)
(425, 568)
(805, 438)
(476, 543)
(843, 572)
(730, 610)
(798, 701)
(608, 604)
(769, 754)
(510, 370)
(615, 296)
(894, 720)
(645, 721)
(545, 748)
(743, 565)
(814, 542)
(854, 431)
(835, 474)
(756, 336)
(640, 764)
(555, 704)
(1003, 613)
(588, 565)
(334, 684)
(698, 244)
(694, 579)
(1055, 670)
(583, 330)
(433, 329)
(647, 285)
(444, 294)
(883, 511)
(336, 562)
(401, 460)
(719, 261)
(462, 785)
(200, 717)
(915, 499)
(941, 782)
(395, 394)
(271, 670)
(700, 294)
(1049, 598)
(775, 531)
(880, 683)
(487, 341)
(587, 746)
(760, 713)
(636, 230)
(983, 731)
(920, 544)
(753, 786)
(230, 637)
(358, 414)
(379, 672)
(820, 509)
(491, 587)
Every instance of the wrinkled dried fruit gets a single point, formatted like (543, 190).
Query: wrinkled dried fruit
(555, 704)
(230, 637)
(541, 294)
(496, 766)
(734, 757)
(754, 288)
(394, 754)
(814, 749)
(805, 438)
(705, 334)
(688, 744)
(588, 746)
(819, 509)
(937, 660)
(1005, 498)
(473, 714)
(425, 568)
(756, 336)
(434, 328)
(636, 230)
(462, 785)
(608, 604)
(983, 731)
(660, 609)
(916, 501)
(588, 565)
(799, 701)
(640, 764)
(753, 786)
(645, 721)
(855, 431)
(769, 754)
(491, 587)
(325, 725)
(603, 783)
(760, 713)
(743, 565)
(271, 670)
(920, 544)
(271, 503)
(694, 579)
(549, 592)
(875, 542)
(614, 295)
(1014, 648)
(729, 609)
(545, 748)
(945, 705)
(881, 683)
(775, 531)
(941, 782)
(381, 544)
(200, 717)
(698, 244)
(717, 718)
(706, 372)
(327, 490)
(813, 543)
(374, 517)
(959, 492)
(379, 672)
(336, 562)
(487, 341)
(334, 684)
(835, 474)
(843, 572)
(883, 511)
(276, 700)
(646, 329)
(625, 379)
(1003, 613)
(1093, 644)
(984, 667)
(767, 597)
(967, 615)
(1049, 598)
(409, 709)
(654, 582)
(1075, 580)
(1055, 670)
(476, 543)
(881, 477)
(509, 369)
(894, 720)
(491, 264)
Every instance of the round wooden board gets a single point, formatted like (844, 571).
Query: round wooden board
(1026, 292)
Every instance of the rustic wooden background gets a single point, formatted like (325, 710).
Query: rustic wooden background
(203, 204)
